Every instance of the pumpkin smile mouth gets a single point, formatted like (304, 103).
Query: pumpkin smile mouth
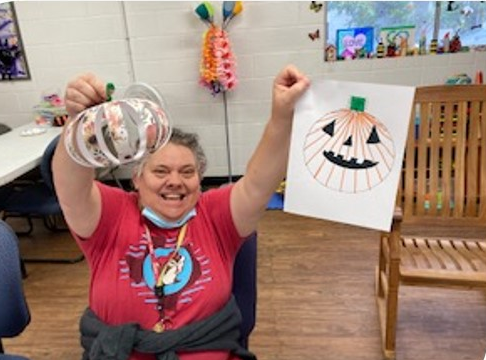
(351, 163)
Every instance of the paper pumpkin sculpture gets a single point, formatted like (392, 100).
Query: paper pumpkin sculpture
(218, 63)
(349, 150)
(116, 132)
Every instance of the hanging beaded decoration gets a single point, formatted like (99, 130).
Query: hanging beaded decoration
(218, 63)
(117, 132)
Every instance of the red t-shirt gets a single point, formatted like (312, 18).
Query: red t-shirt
(122, 278)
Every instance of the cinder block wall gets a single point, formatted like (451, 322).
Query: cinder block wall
(66, 38)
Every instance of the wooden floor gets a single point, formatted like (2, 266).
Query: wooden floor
(315, 300)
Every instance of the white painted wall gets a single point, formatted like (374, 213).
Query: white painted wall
(63, 39)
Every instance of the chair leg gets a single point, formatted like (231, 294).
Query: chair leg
(387, 284)
(51, 223)
(23, 270)
(381, 269)
(391, 312)
(29, 223)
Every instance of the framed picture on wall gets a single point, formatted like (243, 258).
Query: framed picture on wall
(399, 36)
(13, 61)
(354, 43)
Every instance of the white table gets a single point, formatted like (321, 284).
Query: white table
(19, 154)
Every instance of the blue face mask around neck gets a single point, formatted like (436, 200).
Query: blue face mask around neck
(164, 224)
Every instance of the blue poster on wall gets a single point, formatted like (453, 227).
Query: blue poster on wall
(354, 43)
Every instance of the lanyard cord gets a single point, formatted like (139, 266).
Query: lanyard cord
(159, 274)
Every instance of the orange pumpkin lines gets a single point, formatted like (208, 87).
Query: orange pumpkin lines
(349, 151)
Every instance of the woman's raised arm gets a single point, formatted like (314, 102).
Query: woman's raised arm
(268, 164)
(75, 188)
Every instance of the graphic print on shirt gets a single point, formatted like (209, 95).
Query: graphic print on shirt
(187, 271)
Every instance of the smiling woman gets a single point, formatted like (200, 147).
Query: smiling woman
(169, 180)
(163, 256)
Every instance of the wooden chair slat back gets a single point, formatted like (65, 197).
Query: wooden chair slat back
(444, 169)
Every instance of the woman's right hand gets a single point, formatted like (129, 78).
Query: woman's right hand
(76, 190)
(83, 92)
(288, 87)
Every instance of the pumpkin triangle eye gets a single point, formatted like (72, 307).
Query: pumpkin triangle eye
(374, 138)
(329, 128)
(349, 142)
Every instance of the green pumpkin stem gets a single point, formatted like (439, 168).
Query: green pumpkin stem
(110, 89)
(357, 103)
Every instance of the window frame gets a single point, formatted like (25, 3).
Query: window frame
(435, 33)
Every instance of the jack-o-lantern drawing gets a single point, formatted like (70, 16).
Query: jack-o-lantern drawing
(349, 150)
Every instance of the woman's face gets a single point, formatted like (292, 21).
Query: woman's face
(169, 183)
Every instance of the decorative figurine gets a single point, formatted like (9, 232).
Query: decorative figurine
(455, 44)
(361, 53)
(391, 49)
(433, 46)
(331, 52)
(446, 43)
(403, 46)
(459, 79)
(479, 77)
(380, 50)
(423, 45)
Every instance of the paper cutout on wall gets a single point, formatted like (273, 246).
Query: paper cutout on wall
(314, 35)
(316, 6)
(346, 153)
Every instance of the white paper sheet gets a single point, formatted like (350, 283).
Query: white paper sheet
(344, 165)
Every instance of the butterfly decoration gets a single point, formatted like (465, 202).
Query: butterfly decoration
(451, 6)
(315, 6)
(315, 35)
(218, 64)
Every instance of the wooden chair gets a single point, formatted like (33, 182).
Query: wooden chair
(443, 182)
